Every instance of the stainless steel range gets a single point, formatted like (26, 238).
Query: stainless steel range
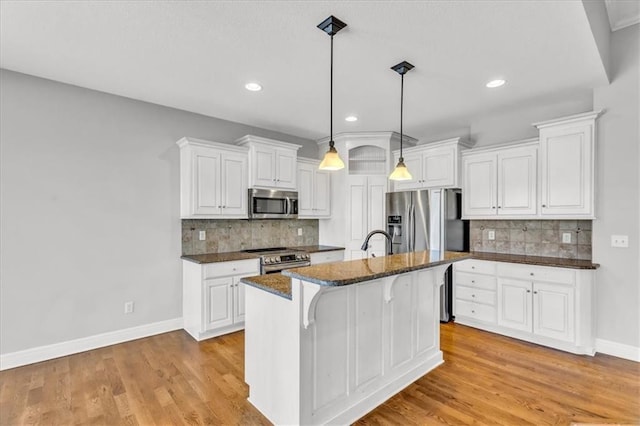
(276, 259)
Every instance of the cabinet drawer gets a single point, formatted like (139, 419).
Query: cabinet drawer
(474, 280)
(476, 311)
(537, 273)
(476, 266)
(327, 256)
(236, 267)
(476, 295)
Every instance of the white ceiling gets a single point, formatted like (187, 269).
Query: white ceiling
(197, 56)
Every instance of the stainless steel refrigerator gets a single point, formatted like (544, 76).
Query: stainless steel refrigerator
(429, 220)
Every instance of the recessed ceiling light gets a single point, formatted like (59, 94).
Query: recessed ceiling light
(351, 118)
(254, 87)
(496, 83)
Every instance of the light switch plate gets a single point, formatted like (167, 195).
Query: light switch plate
(492, 235)
(620, 241)
(299, 232)
(566, 237)
(202, 235)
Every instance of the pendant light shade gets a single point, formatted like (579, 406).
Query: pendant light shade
(401, 172)
(331, 160)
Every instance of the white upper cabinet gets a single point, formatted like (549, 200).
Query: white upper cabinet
(433, 165)
(567, 161)
(314, 190)
(213, 180)
(272, 164)
(500, 181)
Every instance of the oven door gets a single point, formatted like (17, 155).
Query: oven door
(272, 204)
(279, 267)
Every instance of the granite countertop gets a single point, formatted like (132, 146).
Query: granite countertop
(535, 260)
(277, 284)
(240, 255)
(354, 271)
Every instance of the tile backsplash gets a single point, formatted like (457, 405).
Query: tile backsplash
(224, 235)
(533, 237)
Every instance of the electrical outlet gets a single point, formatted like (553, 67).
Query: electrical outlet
(492, 235)
(128, 307)
(566, 237)
(299, 232)
(202, 235)
(620, 241)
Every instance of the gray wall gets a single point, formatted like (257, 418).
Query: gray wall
(618, 197)
(90, 209)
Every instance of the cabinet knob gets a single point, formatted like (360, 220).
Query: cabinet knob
(535, 292)
(528, 291)
(531, 273)
(473, 267)
(499, 207)
(473, 311)
(473, 295)
(233, 269)
(544, 205)
(473, 281)
(493, 207)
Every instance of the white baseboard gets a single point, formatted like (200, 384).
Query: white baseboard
(619, 350)
(56, 350)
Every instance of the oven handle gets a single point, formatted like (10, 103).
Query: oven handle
(268, 269)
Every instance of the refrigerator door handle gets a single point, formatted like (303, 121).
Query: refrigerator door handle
(412, 229)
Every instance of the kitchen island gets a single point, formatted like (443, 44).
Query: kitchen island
(347, 337)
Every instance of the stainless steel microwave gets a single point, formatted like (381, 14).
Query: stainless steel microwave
(272, 204)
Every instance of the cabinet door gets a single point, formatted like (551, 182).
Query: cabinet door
(264, 166)
(238, 301)
(206, 181)
(305, 189)
(234, 186)
(218, 298)
(479, 194)
(438, 169)
(517, 189)
(566, 167)
(286, 169)
(414, 165)
(376, 199)
(322, 193)
(357, 217)
(514, 304)
(553, 311)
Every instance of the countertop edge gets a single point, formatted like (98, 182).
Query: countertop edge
(552, 262)
(268, 289)
(341, 283)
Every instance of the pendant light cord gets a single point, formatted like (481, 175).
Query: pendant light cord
(331, 99)
(401, 103)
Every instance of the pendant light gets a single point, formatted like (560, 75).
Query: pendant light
(401, 172)
(332, 160)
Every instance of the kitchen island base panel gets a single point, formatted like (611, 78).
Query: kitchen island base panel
(331, 354)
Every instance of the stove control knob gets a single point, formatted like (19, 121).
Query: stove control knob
(298, 256)
(267, 260)
(276, 259)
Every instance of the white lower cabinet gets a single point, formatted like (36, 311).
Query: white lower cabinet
(545, 305)
(213, 296)
(475, 291)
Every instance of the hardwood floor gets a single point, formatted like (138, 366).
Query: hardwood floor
(171, 379)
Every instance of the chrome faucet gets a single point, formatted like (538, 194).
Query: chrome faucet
(365, 245)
